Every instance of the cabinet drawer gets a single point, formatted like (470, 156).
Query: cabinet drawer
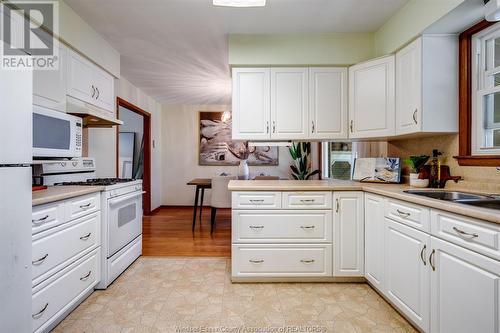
(470, 233)
(47, 216)
(281, 260)
(83, 205)
(52, 298)
(281, 226)
(256, 200)
(55, 246)
(307, 200)
(412, 215)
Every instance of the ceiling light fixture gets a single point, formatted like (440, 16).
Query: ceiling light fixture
(240, 3)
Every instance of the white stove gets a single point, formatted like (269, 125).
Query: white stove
(121, 212)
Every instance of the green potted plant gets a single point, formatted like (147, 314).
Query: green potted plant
(415, 163)
(301, 169)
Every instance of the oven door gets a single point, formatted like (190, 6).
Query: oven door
(124, 220)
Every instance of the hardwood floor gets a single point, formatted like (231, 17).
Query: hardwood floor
(168, 233)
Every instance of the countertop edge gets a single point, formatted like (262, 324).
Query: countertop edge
(58, 193)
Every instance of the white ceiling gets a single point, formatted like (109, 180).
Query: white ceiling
(177, 52)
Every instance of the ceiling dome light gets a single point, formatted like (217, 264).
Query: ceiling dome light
(240, 3)
(492, 10)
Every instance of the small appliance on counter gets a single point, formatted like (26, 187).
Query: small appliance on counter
(121, 211)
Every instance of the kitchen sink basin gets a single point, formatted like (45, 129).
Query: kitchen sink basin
(488, 203)
(449, 195)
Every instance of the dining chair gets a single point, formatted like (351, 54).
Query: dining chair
(220, 197)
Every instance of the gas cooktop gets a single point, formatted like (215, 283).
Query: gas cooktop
(98, 182)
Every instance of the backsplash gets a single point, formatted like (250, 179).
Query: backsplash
(475, 178)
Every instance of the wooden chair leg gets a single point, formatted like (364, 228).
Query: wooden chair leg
(212, 219)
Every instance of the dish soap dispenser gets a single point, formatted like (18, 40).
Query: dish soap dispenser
(435, 175)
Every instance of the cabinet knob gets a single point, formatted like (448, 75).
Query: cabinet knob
(93, 91)
(98, 93)
(274, 126)
(40, 313)
(351, 126)
(415, 116)
(313, 128)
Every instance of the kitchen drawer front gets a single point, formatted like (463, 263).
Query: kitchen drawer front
(476, 235)
(83, 205)
(412, 215)
(307, 200)
(55, 246)
(47, 216)
(256, 200)
(281, 226)
(51, 299)
(281, 260)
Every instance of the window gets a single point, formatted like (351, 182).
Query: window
(479, 89)
(336, 160)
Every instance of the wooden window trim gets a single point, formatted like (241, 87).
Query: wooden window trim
(465, 157)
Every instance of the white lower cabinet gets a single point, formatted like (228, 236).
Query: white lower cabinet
(374, 240)
(465, 293)
(407, 276)
(348, 240)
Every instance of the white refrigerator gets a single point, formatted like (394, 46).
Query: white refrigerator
(16, 89)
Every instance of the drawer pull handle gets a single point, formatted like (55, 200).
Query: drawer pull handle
(422, 255)
(461, 232)
(431, 261)
(256, 261)
(256, 227)
(85, 206)
(86, 236)
(403, 214)
(337, 205)
(256, 200)
(308, 226)
(306, 200)
(83, 278)
(40, 313)
(309, 261)
(39, 261)
(40, 220)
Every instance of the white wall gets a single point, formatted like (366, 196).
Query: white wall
(180, 154)
(102, 141)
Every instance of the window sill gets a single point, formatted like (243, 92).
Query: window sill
(479, 160)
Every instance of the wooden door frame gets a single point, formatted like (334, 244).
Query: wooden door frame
(146, 181)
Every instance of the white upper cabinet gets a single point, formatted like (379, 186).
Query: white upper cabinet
(328, 103)
(348, 224)
(371, 99)
(427, 86)
(89, 83)
(289, 103)
(251, 103)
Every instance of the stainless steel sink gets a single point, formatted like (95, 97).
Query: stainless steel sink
(449, 195)
(478, 200)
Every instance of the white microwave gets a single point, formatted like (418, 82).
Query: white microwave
(56, 134)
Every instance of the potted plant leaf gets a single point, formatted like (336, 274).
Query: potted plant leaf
(301, 169)
(415, 163)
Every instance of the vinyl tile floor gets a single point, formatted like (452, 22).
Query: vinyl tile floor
(161, 294)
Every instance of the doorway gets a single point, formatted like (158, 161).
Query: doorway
(133, 147)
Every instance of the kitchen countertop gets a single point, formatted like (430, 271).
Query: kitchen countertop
(56, 193)
(389, 190)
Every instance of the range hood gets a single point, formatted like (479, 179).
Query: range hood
(92, 115)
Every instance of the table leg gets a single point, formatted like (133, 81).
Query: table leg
(201, 203)
(195, 206)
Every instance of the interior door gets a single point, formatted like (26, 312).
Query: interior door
(406, 271)
(328, 103)
(289, 103)
(409, 88)
(371, 99)
(465, 293)
(251, 104)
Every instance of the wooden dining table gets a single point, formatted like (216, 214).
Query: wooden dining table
(201, 184)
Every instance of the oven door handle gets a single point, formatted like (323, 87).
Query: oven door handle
(117, 200)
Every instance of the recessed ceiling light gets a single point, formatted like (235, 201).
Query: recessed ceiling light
(240, 3)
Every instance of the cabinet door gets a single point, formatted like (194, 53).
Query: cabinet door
(348, 235)
(464, 290)
(80, 78)
(251, 103)
(289, 103)
(406, 271)
(328, 103)
(105, 91)
(371, 99)
(409, 88)
(374, 240)
(49, 86)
